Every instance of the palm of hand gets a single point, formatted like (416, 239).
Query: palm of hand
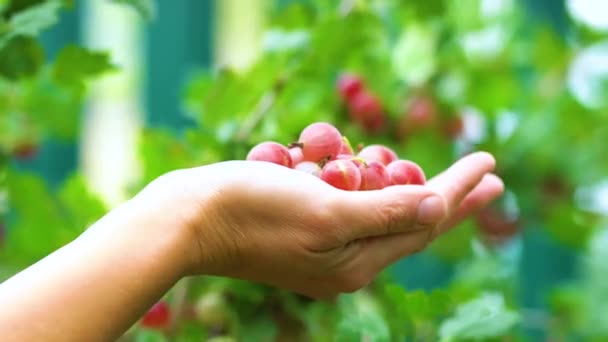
(278, 226)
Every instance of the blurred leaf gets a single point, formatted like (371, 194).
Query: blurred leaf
(482, 318)
(279, 41)
(455, 244)
(39, 228)
(21, 57)
(82, 206)
(361, 321)
(588, 76)
(75, 64)
(190, 331)
(146, 335)
(262, 328)
(56, 110)
(31, 21)
(414, 55)
(293, 15)
(594, 286)
(160, 153)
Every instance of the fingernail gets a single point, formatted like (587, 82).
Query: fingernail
(431, 210)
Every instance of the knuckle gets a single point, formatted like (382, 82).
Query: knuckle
(391, 217)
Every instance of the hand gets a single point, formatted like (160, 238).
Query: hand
(270, 224)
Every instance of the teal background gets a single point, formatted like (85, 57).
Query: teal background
(179, 41)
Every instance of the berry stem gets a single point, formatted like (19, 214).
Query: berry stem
(262, 108)
(295, 144)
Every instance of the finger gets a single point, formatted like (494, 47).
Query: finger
(383, 251)
(394, 209)
(490, 187)
(462, 177)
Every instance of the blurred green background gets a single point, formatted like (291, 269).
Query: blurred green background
(528, 77)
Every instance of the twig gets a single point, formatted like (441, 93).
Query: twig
(261, 110)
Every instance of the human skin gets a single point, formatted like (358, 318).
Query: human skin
(250, 220)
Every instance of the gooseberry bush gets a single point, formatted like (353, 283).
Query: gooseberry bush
(362, 94)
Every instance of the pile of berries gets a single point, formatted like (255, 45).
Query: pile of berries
(324, 152)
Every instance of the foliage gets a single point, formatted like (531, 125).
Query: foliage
(520, 87)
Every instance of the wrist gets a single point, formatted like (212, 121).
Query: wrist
(151, 233)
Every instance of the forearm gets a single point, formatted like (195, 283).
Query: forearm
(96, 287)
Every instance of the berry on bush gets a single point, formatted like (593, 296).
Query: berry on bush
(403, 172)
(342, 174)
(25, 150)
(349, 85)
(320, 141)
(453, 127)
(366, 110)
(495, 225)
(378, 153)
(158, 316)
(419, 113)
(271, 152)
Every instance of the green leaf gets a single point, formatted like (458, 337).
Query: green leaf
(32, 21)
(414, 55)
(82, 206)
(146, 8)
(481, 318)
(21, 57)
(279, 40)
(38, 228)
(146, 335)
(361, 320)
(455, 244)
(190, 331)
(161, 152)
(75, 64)
(262, 328)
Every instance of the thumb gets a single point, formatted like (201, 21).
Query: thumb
(395, 209)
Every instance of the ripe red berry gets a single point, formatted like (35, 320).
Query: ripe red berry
(453, 127)
(495, 225)
(402, 172)
(373, 176)
(309, 167)
(358, 161)
(320, 141)
(158, 316)
(342, 174)
(296, 155)
(271, 152)
(420, 112)
(346, 148)
(349, 85)
(25, 150)
(379, 153)
(365, 110)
